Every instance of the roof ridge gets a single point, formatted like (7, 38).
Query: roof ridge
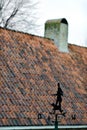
(17, 31)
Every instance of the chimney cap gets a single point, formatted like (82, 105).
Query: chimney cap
(62, 20)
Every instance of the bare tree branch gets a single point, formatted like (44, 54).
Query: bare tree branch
(14, 13)
(10, 17)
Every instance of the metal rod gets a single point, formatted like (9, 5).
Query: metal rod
(56, 122)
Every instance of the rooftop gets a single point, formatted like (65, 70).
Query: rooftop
(30, 68)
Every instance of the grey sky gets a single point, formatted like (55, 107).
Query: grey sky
(75, 11)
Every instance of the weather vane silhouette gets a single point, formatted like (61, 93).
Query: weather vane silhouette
(57, 105)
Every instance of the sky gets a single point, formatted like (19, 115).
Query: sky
(75, 11)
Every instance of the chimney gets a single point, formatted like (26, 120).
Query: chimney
(57, 30)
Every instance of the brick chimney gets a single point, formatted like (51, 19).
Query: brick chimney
(57, 30)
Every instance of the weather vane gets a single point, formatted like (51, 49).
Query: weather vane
(57, 105)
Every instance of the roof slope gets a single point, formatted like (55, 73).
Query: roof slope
(30, 68)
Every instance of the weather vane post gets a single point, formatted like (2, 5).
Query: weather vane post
(56, 122)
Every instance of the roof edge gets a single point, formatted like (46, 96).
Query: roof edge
(21, 32)
(72, 44)
(43, 127)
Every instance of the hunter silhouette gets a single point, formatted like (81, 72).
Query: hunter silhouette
(59, 97)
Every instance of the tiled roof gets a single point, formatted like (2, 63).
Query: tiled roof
(30, 68)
